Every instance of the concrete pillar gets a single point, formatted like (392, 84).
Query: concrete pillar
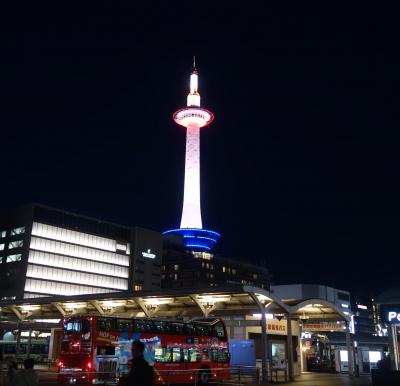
(290, 347)
(18, 344)
(301, 348)
(394, 347)
(28, 348)
(264, 348)
(350, 351)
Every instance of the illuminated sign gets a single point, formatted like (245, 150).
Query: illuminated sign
(390, 313)
(393, 316)
(148, 254)
(325, 326)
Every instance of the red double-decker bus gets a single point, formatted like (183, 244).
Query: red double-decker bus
(95, 347)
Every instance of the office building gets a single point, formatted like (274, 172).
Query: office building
(183, 268)
(46, 251)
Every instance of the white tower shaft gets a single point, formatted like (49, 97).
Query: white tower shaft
(191, 213)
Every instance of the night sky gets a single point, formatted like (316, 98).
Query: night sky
(300, 169)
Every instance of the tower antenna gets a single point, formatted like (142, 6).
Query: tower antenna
(194, 61)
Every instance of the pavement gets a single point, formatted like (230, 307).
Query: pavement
(318, 379)
(48, 378)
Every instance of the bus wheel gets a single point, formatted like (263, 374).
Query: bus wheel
(204, 376)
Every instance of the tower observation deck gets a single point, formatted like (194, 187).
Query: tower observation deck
(193, 117)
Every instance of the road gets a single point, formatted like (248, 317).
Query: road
(315, 379)
(309, 379)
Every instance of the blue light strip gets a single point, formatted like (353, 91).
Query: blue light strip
(196, 238)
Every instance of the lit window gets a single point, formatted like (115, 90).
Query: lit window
(176, 276)
(233, 271)
(223, 269)
(1, 247)
(176, 267)
(3, 234)
(138, 287)
(121, 247)
(17, 231)
(14, 258)
(255, 276)
(8, 298)
(16, 244)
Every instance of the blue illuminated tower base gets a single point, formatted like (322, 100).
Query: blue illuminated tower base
(196, 239)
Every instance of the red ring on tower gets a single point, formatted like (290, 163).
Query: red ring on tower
(186, 116)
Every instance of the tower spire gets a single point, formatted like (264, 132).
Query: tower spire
(193, 98)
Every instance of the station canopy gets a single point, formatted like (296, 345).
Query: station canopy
(173, 303)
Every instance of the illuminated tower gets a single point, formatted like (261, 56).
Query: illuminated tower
(193, 117)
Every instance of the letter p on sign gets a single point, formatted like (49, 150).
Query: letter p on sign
(392, 315)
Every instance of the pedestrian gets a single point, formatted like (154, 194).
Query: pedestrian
(12, 369)
(141, 373)
(27, 376)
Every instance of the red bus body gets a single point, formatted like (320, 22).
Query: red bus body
(96, 348)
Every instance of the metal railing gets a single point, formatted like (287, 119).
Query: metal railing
(232, 376)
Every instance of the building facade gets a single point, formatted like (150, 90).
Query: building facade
(46, 251)
(183, 268)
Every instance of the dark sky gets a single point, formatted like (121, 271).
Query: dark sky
(300, 169)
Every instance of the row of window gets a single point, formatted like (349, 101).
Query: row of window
(13, 232)
(61, 248)
(62, 289)
(32, 296)
(191, 329)
(40, 272)
(54, 260)
(12, 245)
(62, 234)
(225, 269)
(11, 258)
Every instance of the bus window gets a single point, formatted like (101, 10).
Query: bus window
(85, 329)
(162, 354)
(139, 326)
(185, 355)
(105, 324)
(124, 325)
(203, 330)
(189, 329)
(219, 355)
(219, 330)
(148, 325)
(176, 354)
(158, 326)
(194, 355)
(105, 350)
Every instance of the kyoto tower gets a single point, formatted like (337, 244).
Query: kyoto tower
(193, 117)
